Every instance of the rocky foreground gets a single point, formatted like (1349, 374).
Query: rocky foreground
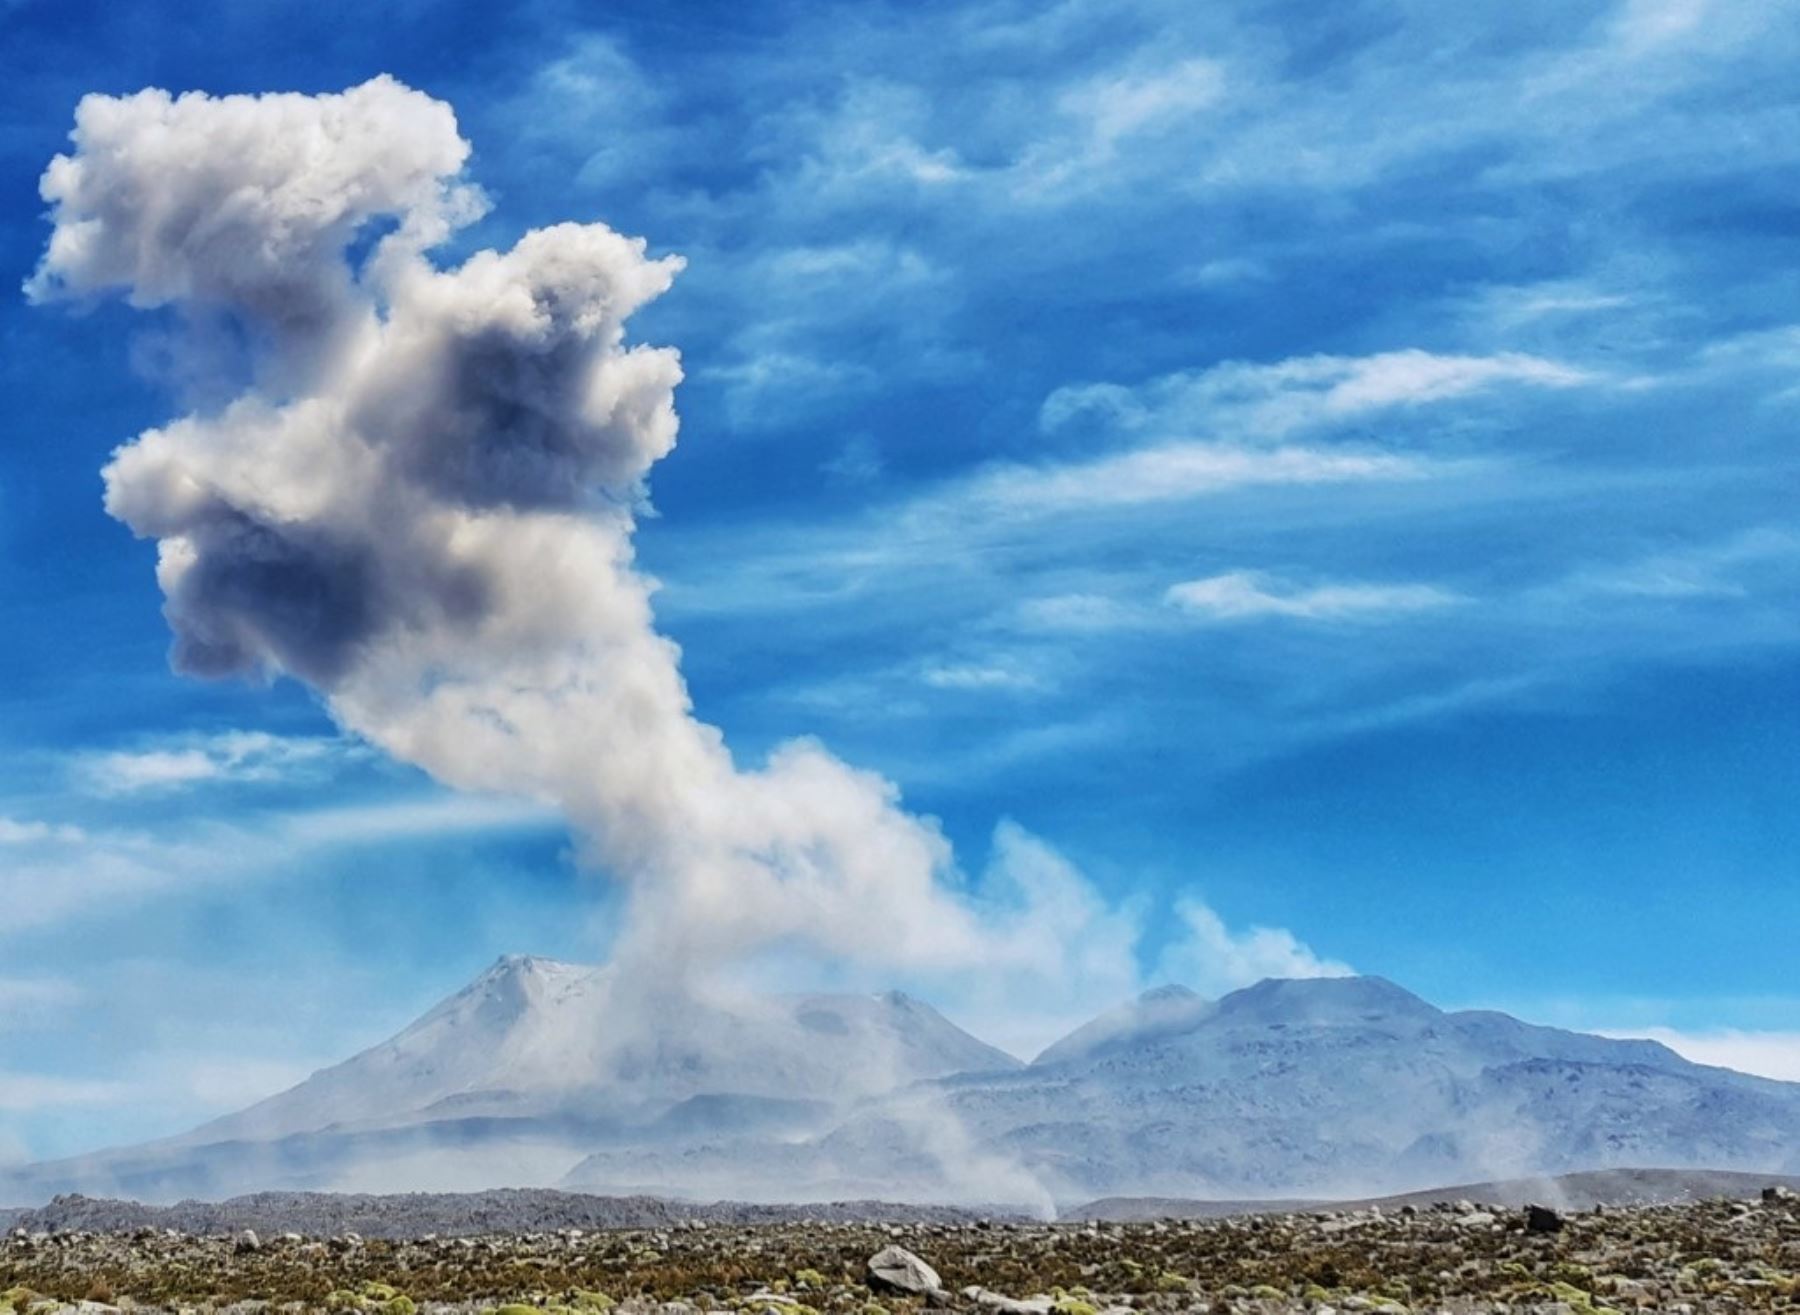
(1456, 1257)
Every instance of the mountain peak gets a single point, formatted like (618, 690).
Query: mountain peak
(1157, 1014)
(514, 965)
(1173, 991)
(1291, 1087)
(1323, 999)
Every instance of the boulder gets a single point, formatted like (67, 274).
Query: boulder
(1006, 1305)
(1542, 1219)
(895, 1269)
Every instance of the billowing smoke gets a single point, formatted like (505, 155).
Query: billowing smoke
(418, 493)
(421, 501)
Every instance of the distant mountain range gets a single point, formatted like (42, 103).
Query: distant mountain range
(547, 1074)
(515, 1210)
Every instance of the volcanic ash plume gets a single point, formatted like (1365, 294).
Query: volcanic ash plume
(417, 494)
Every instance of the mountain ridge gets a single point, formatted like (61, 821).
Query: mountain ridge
(539, 1073)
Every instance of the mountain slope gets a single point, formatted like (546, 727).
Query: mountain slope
(540, 1073)
(530, 1067)
(1347, 1086)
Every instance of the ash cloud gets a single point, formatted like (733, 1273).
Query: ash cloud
(421, 502)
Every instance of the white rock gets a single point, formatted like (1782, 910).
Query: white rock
(895, 1269)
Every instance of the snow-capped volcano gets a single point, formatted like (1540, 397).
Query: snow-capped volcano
(535, 1037)
(533, 1066)
(542, 1073)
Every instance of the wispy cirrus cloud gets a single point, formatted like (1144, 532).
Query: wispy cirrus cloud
(1251, 595)
(1176, 472)
(1758, 561)
(982, 677)
(14, 831)
(1265, 401)
(231, 756)
(57, 873)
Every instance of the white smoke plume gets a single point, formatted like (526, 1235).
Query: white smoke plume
(420, 500)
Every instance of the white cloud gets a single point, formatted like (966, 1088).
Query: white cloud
(1735, 567)
(1249, 595)
(244, 756)
(1213, 959)
(764, 386)
(873, 136)
(191, 1084)
(61, 874)
(15, 832)
(1766, 1054)
(1509, 307)
(1121, 104)
(1078, 612)
(1265, 402)
(1641, 27)
(981, 676)
(1176, 472)
(26, 1093)
(859, 461)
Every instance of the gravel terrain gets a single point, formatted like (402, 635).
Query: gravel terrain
(447, 1214)
(1570, 1191)
(1724, 1256)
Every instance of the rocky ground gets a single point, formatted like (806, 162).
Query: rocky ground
(1698, 1257)
(448, 1214)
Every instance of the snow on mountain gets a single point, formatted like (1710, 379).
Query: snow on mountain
(1167, 1010)
(534, 1036)
(499, 1032)
(1353, 1085)
(534, 1065)
(542, 1073)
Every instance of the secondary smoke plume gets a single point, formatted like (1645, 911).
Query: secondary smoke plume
(419, 498)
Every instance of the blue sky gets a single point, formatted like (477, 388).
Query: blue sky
(1333, 463)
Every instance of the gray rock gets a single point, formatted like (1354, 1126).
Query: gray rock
(1542, 1219)
(1008, 1305)
(895, 1269)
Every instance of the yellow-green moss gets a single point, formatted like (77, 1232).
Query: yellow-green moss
(1578, 1298)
